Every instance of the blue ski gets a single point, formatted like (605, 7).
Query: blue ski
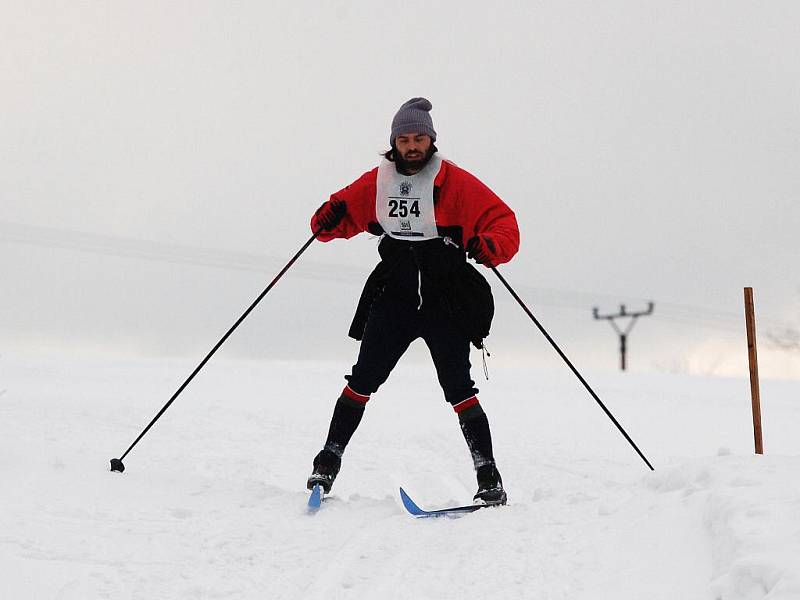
(418, 512)
(315, 499)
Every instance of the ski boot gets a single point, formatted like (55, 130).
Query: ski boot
(326, 467)
(490, 487)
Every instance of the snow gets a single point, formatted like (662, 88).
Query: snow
(212, 503)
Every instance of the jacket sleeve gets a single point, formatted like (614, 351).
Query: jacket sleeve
(360, 199)
(492, 218)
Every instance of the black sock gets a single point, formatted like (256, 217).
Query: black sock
(475, 427)
(346, 417)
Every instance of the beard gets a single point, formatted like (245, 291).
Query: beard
(413, 162)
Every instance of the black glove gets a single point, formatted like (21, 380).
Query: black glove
(481, 249)
(329, 215)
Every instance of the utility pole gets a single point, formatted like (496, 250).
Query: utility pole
(623, 333)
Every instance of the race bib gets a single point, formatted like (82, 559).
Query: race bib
(404, 203)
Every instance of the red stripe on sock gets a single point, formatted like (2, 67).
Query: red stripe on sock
(465, 404)
(353, 395)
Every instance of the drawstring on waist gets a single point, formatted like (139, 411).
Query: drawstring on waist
(484, 354)
(419, 287)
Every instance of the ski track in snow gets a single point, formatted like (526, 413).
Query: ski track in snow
(212, 504)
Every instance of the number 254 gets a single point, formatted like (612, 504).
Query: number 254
(400, 208)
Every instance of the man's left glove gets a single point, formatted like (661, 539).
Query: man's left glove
(481, 249)
(329, 215)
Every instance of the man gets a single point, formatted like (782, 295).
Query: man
(428, 212)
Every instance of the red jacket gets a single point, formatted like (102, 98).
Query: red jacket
(462, 201)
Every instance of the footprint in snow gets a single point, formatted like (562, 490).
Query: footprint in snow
(180, 513)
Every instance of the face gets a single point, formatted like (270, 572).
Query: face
(413, 147)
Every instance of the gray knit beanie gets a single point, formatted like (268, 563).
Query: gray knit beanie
(413, 117)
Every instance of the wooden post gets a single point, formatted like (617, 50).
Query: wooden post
(750, 319)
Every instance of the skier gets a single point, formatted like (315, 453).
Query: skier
(430, 215)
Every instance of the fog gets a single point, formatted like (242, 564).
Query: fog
(159, 164)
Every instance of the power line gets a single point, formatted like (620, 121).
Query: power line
(182, 254)
(107, 245)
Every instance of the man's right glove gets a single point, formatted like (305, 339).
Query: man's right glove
(329, 215)
(481, 249)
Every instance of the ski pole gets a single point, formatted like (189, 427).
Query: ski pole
(116, 463)
(571, 366)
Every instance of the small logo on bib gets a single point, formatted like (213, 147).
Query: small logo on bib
(405, 225)
(405, 188)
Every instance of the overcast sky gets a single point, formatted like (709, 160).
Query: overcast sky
(159, 162)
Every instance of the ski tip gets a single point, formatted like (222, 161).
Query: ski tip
(410, 504)
(315, 499)
(453, 512)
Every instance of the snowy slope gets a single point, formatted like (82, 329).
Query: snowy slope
(212, 502)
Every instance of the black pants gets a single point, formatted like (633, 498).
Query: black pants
(392, 325)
